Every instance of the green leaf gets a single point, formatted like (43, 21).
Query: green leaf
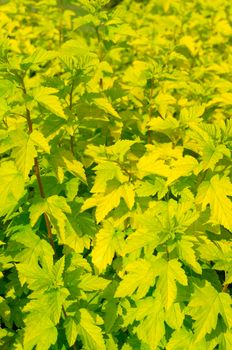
(187, 254)
(104, 104)
(40, 141)
(184, 339)
(71, 187)
(150, 164)
(149, 232)
(25, 151)
(24, 155)
(166, 126)
(45, 96)
(110, 200)
(6, 88)
(49, 303)
(11, 186)
(140, 276)
(214, 192)
(170, 272)
(39, 332)
(74, 48)
(36, 277)
(55, 207)
(111, 344)
(33, 246)
(207, 146)
(57, 271)
(80, 21)
(104, 203)
(106, 171)
(5, 312)
(63, 160)
(90, 283)
(151, 329)
(128, 194)
(71, 330)
(212, 154)
(90, 334)
(205, 306)
(39, 56)
(174, 316)
(163, 101)
(111, 315)
(119, 149)
(109, 240)
(225, 340)
(181, 167)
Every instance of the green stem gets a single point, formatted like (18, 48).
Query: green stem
(100, 55)
(60, 27)
(72, 144)
(167, 252)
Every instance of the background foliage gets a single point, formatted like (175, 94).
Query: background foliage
(115, 174)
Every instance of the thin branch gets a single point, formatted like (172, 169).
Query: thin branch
(65, 316)
(100, 54)
(72, 144)
(41, 189)
(71, 95)
(150, 109)
(60, 26)
(70, 107)
(225, 288)
(93, 297)
(225, 285)
(37, 173)
(167, 252)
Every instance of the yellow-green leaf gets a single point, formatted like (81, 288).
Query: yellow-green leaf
(215, 192)
(109, 240)
(45, 96)
(11, 186)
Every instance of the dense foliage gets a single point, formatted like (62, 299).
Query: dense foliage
(115, 174)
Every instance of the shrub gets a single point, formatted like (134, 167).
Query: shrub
(115, 175)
